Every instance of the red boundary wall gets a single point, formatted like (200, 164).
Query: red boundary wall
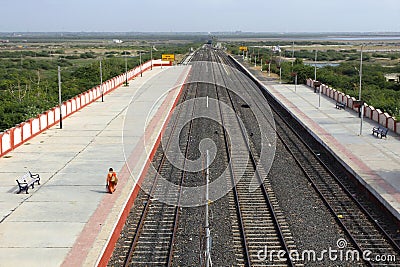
(369, 111)
(16, 136)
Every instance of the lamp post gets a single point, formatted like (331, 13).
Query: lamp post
(294, 74)
(140, 60)
(59, 95)
(101, 82)
(207, 226)
(151, 57)
(315, 78)
(126, 70)
(359, 93)
(315, 65)
(292, 55)
(280, 67)
(269, 63)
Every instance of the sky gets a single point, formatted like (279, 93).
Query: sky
(199, 16)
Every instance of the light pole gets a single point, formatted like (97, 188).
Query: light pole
(140, 60)
(126, 70)
(292, 55)
(294, 74)
(207, 226)
(315, 78)
(359, 93)
(269, 62)
(315, 65)
(59, 95)
(151, 57)
(280, 67)
(101, 82)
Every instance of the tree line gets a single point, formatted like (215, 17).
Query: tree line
(29, 82)
(343, 76)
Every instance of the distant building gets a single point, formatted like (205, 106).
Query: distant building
(117, 41)
(393, 77)
(276, 49)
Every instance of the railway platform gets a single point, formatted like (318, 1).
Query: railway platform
(69, 219)
(375, 162)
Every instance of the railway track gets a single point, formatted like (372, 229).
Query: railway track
(364, 232)
(260, 222)
(154, 234)
(362, 229)
(256, 218)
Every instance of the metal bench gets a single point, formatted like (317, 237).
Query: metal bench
(340, 105)
(27, 180)
(382, 131)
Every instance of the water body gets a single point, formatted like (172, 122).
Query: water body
(321, 65)
(362, 38)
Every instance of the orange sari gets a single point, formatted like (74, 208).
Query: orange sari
(111, 184)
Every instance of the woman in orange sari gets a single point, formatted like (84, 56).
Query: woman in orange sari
(111, 180)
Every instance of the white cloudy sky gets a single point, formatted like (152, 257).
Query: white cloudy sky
(204, 15)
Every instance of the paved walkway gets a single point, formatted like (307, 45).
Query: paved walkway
(374, 161)
(69, 219)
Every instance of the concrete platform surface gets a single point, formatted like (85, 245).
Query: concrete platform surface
(374, 161)
(68, 219)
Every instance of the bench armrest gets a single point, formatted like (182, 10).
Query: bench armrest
(34, 175)
(21, 182)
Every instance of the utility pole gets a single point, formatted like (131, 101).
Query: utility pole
(59, 95)
(280, 67)
(269, 63)
(292, 55)
(315, 65)
(126, 70)
(140, 57)
(359, 93)
(151, 57)
(315, 78)
(101, 82)
(207, 226)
